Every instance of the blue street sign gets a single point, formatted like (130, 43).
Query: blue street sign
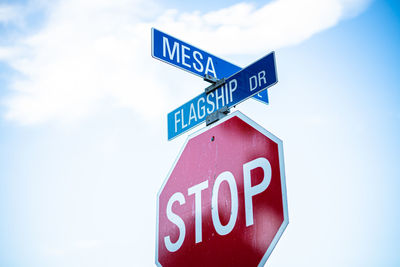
(246, 83)
(194, 60)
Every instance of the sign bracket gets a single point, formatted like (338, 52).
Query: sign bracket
(217, 115)
(215, 83)
(209, 78)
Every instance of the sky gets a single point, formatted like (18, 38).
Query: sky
(83, 138)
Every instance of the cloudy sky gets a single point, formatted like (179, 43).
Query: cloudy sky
(83, 138)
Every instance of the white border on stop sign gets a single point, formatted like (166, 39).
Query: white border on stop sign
(282, 175)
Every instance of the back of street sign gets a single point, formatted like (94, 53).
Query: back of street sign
(244, 84)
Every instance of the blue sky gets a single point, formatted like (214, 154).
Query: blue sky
(83, 147)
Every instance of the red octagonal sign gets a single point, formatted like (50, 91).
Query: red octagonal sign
(224, 201)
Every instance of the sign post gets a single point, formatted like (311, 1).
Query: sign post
(224, 201)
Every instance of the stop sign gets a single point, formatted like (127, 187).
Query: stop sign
(224, 201)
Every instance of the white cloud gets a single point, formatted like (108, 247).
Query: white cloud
(83, 57)
(247, 28)
(93, 54)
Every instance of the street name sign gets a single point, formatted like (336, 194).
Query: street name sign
(223, 202)
(240, 86)
(192, 59)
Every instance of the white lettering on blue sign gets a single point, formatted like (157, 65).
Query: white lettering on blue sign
(197, 109)
(240, 86)
(187, 57)
(194, 60)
